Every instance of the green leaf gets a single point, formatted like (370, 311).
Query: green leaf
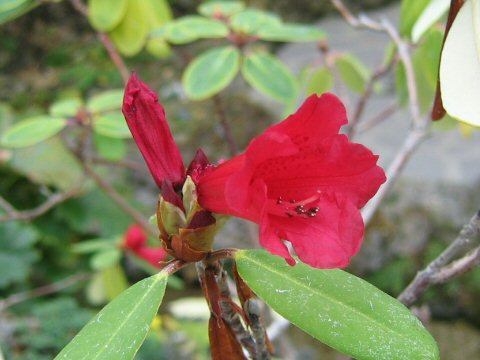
(105, 259)
(31, 131)
(119, 329)
(131, 33)
(65, 107)
(112, 125)
(191, 28)
(433, 11)
(337, 308)
(290, 33)
(104, 15)
(269, 76)
(409, 13)
(110, 148)
(250, 21)
(94, 245)
(106, 101)
(353, 73)
(11, 9)
(158, 13)
(48, 163)
(320, 81)
(211, 72)
(17, 253)
(220, 8)
(460, 66)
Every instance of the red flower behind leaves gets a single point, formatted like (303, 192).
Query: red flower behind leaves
(135, 241)
(303, 182)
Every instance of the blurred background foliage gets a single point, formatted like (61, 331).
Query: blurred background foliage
(54, 66)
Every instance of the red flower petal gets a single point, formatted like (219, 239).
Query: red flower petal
(134, 237)
(153, 255)
(148, 125)
(302, 182)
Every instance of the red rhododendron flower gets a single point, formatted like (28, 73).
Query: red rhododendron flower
(148, 125)
(301, 181)
(135, 241)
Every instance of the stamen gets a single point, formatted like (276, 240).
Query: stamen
(298, 208)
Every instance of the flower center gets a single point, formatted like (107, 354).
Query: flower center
(306, 208)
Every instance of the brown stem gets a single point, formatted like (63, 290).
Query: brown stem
(438, 271)
(173, 266)
(31, 214)
(114, 56)
(42, 291)
(227, 132)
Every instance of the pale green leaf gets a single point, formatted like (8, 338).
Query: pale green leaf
(106, 101)
(353, 73)
(250, 21)
(112, 125)
(409, 13)
(94, 245)
(290, 33)
(31, 131)
(119, 329)
(460, 66)
(11, 9)
(337, 308)
(211, 72)
(48, 163)
(65, 107)
(104, 15)
(270, 76)
(191, 28)
(110, 148)
(220, 8)
(130, 34)
(105, 258)
(434, 11)
(320, 81)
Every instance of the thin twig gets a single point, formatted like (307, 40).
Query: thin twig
(438, 271)
(118, 199)
(114, 56)
(227, 132)
(378, 118)
(31, 214)
(126, 163)
(42, 291)
(5, 205)
(381, 71)
(411, 143)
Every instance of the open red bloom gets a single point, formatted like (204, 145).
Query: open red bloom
(301, 181)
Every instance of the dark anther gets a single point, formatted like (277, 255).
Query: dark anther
(311, 213)
(279, 200)
(313, 209)
(289, 215)
(300, 209)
